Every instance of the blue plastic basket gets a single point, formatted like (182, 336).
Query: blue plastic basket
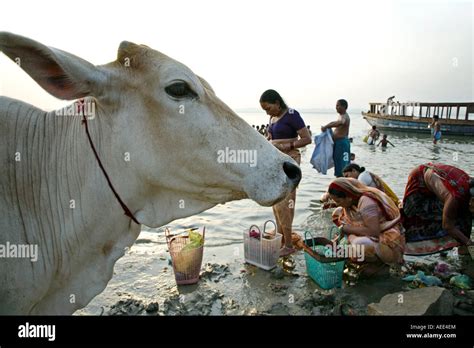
(325, 272)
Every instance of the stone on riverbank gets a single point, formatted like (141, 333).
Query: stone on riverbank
(424, 301)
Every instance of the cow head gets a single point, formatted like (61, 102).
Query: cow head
(188, 150)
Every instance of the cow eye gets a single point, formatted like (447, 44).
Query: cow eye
(180, 90)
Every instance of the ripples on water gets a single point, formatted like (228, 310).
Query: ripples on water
(225, 223)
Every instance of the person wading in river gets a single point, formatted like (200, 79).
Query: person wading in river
(287, 132)
(342, 145)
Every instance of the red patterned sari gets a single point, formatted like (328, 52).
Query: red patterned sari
(422, 215)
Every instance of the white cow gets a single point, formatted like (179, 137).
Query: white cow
(158, 129)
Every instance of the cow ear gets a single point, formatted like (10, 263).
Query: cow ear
(60, 73)
(128, 54)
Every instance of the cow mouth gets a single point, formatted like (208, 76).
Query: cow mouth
(270, 198)
(221, 197)
(233, 195)
(273, 186)
(269, 203)
(272, 203)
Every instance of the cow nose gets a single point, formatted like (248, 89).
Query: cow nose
(293, 172)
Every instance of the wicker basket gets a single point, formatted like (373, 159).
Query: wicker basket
(325, 271)
(262, 249)
(187, 263)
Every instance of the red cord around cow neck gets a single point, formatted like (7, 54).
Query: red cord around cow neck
(122, 204)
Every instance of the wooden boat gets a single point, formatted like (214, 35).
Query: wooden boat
(455, 118)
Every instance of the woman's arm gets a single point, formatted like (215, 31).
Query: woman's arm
(287, 145)
(269, 132)
(450, 211)
(371, 228)
(451, 207)
(370, 219)
(304, 139)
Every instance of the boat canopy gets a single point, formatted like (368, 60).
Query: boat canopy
(448, 111)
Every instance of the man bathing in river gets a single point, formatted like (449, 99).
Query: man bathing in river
(342, 145)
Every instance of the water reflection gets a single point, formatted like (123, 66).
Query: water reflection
(436, 152)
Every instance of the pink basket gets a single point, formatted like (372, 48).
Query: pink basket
(187, 263)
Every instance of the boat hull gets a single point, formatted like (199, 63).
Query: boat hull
(419, 125)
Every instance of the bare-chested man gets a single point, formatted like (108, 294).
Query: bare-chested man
(342, 145)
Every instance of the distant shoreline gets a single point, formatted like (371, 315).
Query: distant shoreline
(301, 110)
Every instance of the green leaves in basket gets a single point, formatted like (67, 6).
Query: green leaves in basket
(195, 241)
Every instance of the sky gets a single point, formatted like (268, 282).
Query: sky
(312, 52)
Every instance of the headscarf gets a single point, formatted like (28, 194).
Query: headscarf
(355, 189)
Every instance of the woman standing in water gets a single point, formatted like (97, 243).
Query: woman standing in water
(287, 132)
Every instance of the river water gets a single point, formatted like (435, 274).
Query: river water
(225, 223)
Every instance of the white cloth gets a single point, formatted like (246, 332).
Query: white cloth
(366, 179)
(322, 158)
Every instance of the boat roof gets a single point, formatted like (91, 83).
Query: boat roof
(461, 104)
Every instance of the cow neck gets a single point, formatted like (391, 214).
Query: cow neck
(122, 204)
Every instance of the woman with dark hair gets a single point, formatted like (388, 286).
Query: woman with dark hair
(365, 177)
(287, 132)
(437, 209)
(369, 179)
(369, 218)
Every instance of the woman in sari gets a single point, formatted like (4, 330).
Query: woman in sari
(369, 218)
(287, 132)
(437, 209)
